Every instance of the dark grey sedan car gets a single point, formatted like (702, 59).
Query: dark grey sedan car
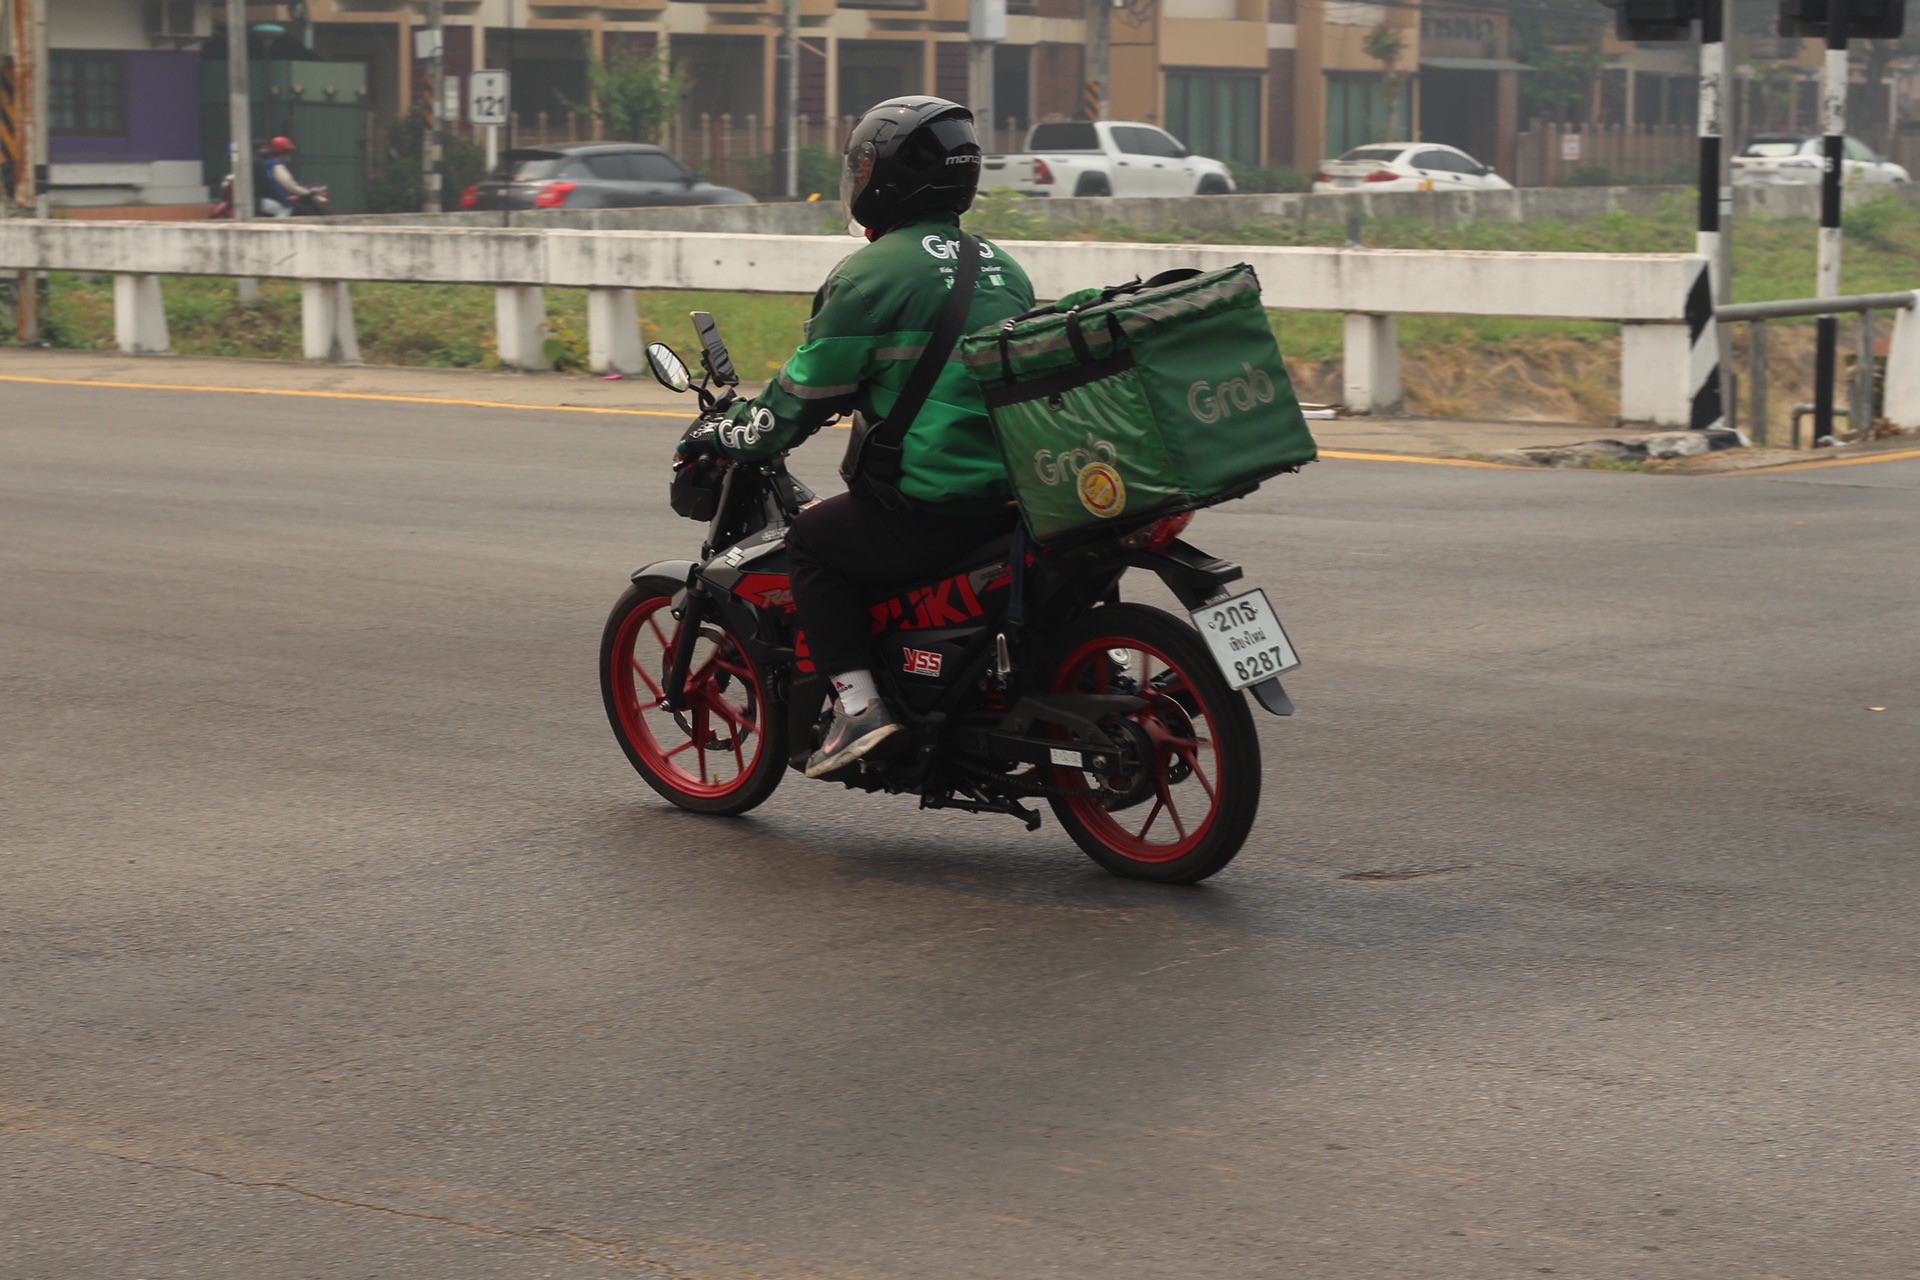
(594, 175)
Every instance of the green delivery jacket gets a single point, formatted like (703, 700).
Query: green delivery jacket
(870, 322)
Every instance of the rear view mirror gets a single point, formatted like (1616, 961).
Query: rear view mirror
(669, 370)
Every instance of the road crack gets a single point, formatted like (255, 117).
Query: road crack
(617, 1252)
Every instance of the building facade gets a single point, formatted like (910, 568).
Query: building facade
(123, 93)
(1259, 82)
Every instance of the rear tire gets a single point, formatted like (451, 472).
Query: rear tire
(726, 752)
(1093, 184)
(1204, 775)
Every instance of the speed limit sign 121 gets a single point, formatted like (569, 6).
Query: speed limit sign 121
(487, 98)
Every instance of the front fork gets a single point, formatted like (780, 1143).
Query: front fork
(691, 615)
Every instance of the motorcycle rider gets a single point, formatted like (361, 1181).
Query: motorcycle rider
(911, 168)
(273, 181)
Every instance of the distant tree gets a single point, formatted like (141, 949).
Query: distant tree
(635, 95)
(1384, 44)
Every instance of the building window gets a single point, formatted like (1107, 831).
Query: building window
(87, 94)
(1215, 115)
(1357, 112)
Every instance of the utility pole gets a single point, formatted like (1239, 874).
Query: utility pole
(436, 77)
(1712, 240)
(986, 27)
(26, 37)
(1833, 123)
(1099, 57)
(37, 94)
(790, 100)
(240, 127)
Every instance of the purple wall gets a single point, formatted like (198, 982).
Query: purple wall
(163, 114)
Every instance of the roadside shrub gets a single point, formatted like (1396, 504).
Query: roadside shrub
(397, 181)
(819, 173)
(1592, 175)
(1007, 215)
(1267, 179)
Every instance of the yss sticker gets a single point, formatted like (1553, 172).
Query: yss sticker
(921, 662)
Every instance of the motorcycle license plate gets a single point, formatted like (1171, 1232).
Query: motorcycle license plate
(1246, 639)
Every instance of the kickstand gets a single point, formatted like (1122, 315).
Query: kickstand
(1025, 815)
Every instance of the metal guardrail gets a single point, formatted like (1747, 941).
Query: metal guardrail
(1859, 411)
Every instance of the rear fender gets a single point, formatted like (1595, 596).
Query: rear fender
(1191, 574)
(1195, 577)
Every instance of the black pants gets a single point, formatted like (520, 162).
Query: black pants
(846, 546)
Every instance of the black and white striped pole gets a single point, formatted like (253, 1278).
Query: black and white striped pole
(1707, 365)
(1833, 123)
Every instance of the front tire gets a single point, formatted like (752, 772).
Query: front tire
(723, 754)
(1199, 788)
(1213, 185)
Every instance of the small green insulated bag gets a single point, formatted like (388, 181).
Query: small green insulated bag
(1139, 399)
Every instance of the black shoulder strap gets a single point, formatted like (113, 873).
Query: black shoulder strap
(946, 334)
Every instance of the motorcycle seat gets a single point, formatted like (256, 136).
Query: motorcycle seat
(986, 554)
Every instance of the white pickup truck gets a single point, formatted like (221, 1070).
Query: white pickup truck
(1104, 158)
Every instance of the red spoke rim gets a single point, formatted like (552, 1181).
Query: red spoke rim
(664, 741)
(1169, 830)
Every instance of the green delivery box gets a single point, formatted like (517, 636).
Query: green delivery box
(1142, 399)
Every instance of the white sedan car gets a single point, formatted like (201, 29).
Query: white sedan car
(1784, 159)
(1407, 166)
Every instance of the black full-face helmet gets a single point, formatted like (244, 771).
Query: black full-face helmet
(908, 156)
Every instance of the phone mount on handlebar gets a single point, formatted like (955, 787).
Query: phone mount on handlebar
(670, 371)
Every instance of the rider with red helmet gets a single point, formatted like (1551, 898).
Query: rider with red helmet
(273, 182)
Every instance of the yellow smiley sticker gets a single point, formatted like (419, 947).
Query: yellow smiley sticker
(1102, 491)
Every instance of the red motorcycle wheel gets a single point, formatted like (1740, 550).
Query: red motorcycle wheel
(722, 754)
(1185, 814)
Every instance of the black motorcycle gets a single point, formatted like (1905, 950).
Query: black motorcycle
(1018, 674)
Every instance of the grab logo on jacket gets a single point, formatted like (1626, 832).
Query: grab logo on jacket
(946, 250)
(740, 435)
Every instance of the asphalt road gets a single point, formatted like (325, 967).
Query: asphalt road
(337, 939)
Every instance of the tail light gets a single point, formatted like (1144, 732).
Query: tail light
(1381, 175)
(1321, 177)
(554, 195)
(470, 198)
(1042, 176)
(1159, 533)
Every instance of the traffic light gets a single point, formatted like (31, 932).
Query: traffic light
(1658, 19)
(1866, 19)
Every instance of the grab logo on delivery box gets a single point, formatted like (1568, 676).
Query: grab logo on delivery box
(1210, 403)
(1091, 468)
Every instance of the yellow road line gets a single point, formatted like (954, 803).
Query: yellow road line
(1425, 462)
(1822, 465)
(342, 395)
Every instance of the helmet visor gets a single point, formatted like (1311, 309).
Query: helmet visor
(855, 174)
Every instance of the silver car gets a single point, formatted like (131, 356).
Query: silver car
(1786, 159)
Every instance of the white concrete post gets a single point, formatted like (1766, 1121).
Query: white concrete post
(139, 315)
(1656, 372)
(520, 325)
(326, 322)
(1372, 364)
(613, 332)
(1901, 394)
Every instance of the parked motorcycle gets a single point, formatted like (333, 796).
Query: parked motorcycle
(1019, 674)
(317, 203)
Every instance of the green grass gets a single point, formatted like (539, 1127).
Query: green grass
(451, 326)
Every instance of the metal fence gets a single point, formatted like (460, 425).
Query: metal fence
(1552, 155)
(1864, 404)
